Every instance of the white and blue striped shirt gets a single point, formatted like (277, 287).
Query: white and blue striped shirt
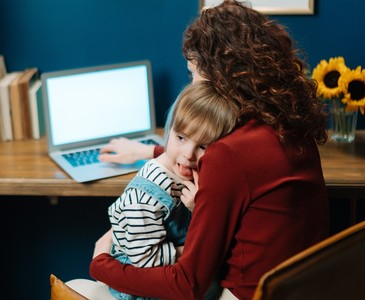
(137, 220)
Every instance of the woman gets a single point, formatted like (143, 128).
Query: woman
(149, 224)
(262, 196)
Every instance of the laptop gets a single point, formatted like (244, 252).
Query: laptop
(85, 108)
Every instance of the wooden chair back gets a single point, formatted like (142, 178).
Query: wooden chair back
(332, 269)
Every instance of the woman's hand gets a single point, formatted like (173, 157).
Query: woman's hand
(103, 245)
(188, 193)
(125, 151)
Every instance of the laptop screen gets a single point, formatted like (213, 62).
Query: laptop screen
(101, 102)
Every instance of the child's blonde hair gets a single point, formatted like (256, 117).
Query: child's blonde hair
(200, 111)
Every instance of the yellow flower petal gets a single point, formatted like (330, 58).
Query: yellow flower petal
(327, 75)
(352, 82)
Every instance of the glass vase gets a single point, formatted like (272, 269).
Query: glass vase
(342, 122)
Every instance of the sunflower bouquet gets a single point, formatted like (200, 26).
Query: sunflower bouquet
(344, 89)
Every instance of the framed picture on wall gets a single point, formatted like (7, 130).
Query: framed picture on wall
(270, 7)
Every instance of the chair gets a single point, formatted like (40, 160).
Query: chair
(330, 270)
(61, 291)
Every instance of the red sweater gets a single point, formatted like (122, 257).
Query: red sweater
(258, 204)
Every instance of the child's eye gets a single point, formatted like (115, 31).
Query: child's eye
(180, 137)
(203, 147)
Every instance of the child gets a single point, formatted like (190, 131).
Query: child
(149, 220)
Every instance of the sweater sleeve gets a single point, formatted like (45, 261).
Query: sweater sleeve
(158, 151)
(215, 217)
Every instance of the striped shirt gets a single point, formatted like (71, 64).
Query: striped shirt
(137, 220)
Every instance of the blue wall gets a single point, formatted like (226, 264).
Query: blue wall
(62, 34)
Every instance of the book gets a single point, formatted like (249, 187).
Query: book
(1, 131)
(19, 98)
(15, 107)
(5, 106)
(25, 82)
(3, 71)
(36, 110)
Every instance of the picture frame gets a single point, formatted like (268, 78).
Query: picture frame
(270, 7)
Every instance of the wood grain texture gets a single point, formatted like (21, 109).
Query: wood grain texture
(26, 169)
(344, 163)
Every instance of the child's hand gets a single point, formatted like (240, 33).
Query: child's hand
(188, 193)
(103, 245)
(179, 251)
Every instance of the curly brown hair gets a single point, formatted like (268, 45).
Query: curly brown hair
(251, 60)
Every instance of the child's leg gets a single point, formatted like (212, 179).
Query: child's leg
(227, 295)
(91, 289)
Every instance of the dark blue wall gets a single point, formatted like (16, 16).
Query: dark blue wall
(62, 34)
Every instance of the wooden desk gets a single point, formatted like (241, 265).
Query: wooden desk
(26, 169)
(344, 167)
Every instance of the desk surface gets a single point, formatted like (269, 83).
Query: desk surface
(26, 169)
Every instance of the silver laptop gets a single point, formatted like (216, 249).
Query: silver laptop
(85, 108)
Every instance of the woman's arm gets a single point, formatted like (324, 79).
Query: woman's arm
(125, 151)
(218, 208)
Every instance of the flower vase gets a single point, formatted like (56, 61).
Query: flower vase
(342, 122)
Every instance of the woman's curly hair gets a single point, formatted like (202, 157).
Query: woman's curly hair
(251, 60)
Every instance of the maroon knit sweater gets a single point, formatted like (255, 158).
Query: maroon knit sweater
(258, 203)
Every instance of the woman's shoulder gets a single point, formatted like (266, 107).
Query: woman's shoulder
(249, 135)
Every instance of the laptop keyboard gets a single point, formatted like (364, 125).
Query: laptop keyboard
(82, 158)
(149, 142)
(86, 157)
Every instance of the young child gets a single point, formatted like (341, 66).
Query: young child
(149, 220)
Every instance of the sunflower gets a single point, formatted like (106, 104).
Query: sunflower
(327, 75)
(352, 84)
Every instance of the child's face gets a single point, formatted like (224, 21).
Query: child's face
(183, 154)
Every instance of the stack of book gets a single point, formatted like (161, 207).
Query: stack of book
(21, 106)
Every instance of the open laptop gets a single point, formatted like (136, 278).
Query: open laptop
(85, 108)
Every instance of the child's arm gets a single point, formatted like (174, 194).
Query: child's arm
(103, 245)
